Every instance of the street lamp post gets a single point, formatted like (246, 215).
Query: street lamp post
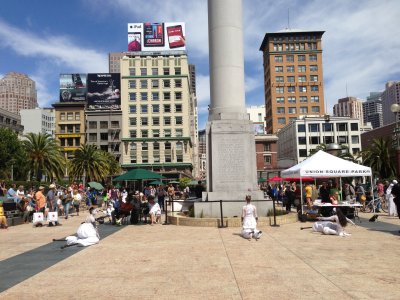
(395, 108)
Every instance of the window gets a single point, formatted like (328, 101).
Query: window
(167, 83)
(267, 147)
(92, 125)
(302, 89)
(327, 127)
(312, 57)
(355, 139)
(267, 159)
(313, 68)
(132, 121)
(143, 71)
(290, 78)
(132, 96)
(291, 99)
(303, 99)
(178, 108)
(302, 140)
(143, 96)
(167, 146)
(290, 69)
(70, 116)
(302, 78)
(77, 116)
(156, 133)
(315, 109)
(154, 71)
(302, 152)
(62, 116)
(342, 139)
(354, 126)
(281, 121)
(167, 96)
(290, 58)
(313, 127)
(132, 72)
(278, 58)
(279, 78)
(179, 132)
(280, 100)
(156, 121)
(355, 150)
(301, 128)
(103, 124)
(143, 108)
(291, 89)
(70, 129)
(314, 88)
(292, 110)
(178, 83)
(92, 137)
(144, 133)
(155, 96)
(178, 121)
(301, 68)
(154, 83)
(279, 90)
(143, 84)
(303, 109)
(77, 128)
(166, 71)
(155, 108)
(278, 69)
(301, 58)
(314, 78)
(314, 99)
(341, 126)
(145, 147)
(167, 120)
(103, 136)
(280, 110)
(314, 140)
(328, 140)
(178, 71)
(132, 109)
(167, 132)
(167, 108)
(144, 121)
(178, 95)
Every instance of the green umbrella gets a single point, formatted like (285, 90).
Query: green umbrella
(261, 179)
(156, 182)
(96, 185)
(138, 174)
(174, 182)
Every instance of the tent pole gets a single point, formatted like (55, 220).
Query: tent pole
(301, 195)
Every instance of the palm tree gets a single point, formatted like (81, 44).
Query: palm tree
(114, 167)
(380, 156)
(90, 162)
(44, 156)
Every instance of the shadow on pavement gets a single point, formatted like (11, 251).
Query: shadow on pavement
(379, 226)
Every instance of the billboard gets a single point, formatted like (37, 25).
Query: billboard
(73, 87)
(156, 36)
(103, 91)
(258, 128)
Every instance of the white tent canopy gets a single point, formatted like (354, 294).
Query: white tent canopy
(323, 164)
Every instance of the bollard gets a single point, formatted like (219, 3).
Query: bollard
(273, 206)
(166, 213)
(222, 215)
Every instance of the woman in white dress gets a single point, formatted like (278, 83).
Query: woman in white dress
(249, 221)
(335, 224)
(389, 200)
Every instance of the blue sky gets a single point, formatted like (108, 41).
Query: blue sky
(43, 38)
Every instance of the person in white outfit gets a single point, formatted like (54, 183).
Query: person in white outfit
(392, 211)
(335, 224)
(249, 221)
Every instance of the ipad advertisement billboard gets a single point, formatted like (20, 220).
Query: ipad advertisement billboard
(156, 36)
(103, 91)
(73, 87)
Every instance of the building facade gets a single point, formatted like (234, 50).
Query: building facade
(297, 139)
(257, 115)
(390, 95)
(38, 120)
(202, 154)
(349, 107)
(372, 110)
(293, 77)
(70, 126)
(17, 91)
(11, 121)
(159, 121)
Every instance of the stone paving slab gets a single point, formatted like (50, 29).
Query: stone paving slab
(173, 262)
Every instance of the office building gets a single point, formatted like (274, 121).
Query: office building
(38, 120)
(391, 95)
(372, 110)
(349, 107)
(17, 91)
(202, 154)
(11, 121)
(293, 76)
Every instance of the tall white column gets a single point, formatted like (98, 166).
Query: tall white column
(226, 59)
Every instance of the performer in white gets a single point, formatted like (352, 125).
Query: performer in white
(249, 221)
(389, 200)
(335, 226)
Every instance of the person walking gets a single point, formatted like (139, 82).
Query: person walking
(52, 202)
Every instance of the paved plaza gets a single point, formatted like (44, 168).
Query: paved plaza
(178, 262)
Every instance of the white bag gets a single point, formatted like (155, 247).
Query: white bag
(52, 216)
(38, 218)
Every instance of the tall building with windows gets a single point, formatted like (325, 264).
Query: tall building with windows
(11, 121)
(17, 91)
(349, 107)
(372, 110)
(38, 120)
(159, 120)
(391, 95)
(293, 76)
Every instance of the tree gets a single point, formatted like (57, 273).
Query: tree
(44, 156)
(90, 162)
(380, 156)
(12, 156)
(114, 168)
